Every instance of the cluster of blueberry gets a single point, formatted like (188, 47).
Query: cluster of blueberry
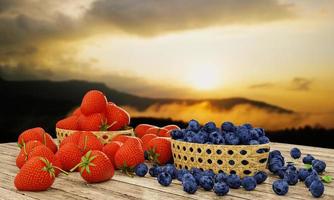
(228, 133)
(290, 175)
(193, 179)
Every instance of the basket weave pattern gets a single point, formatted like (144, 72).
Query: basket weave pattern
(243, 160)
(103, 136)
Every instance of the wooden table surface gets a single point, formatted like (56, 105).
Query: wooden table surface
(124, 187)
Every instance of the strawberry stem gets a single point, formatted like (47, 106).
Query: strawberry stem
(60, 169)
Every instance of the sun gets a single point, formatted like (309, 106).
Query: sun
(203, 78)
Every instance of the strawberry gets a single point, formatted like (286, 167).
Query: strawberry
(146, 139)
(160, 150)
(24, 152)
(110, 150)
(117, 117)
(171, 127)
(93, 122)
(120, 138)
(88, 141)
(69, 123)
(43, 151)
(73, 138)
(37, 134)
(94, 101)
(129, 155)
(37, 174)
(141, 129)
(69, 155)
(76, 112)
(96, 167)
(157, 131)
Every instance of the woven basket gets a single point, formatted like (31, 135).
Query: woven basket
(243, 160)
(104, 136)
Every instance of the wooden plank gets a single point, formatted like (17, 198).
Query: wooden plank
(10, 195)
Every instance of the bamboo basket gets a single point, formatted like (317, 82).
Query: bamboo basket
(104, 136)
(243, 160)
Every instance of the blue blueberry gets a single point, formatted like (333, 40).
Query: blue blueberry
(164, 179)
(154, 171)
(254, 134)
(295, 153)
(171, 170)
(199, 138)
(221, 188)
(177, 134)
(308, 159)
(260, 177)
(317, 188)
(303, 174)
(260, 131)
(209, 173)
(180, 173)
(308, 181)
(216, 138)
(318, 165)
(220, 177)
(210, 127)
(233, 181)
(248, 126)
(274, 153)
(291, 177)
(193, 125)
(231, 138)
(253, 142)
(244, 135)
(188, 177)
(189, 186)
(141, 169)
(228, 127)
(280, 187)
(206, 182)
(248, 183)
(263, 140)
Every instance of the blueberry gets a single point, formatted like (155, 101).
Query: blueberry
(206, 182)
(189, 186)
(188, 177)
(248, 183)
(291, 177)
(155, 171)
(221, 188)
(248, 126)
(308, 159)
(253, 142)
(295, 153)
(141, 169)
(274, 153)
(308, 181)
(260, 177)
(188, 139)
(180, 173)
(177, 134)
(233, 181)
(193, 125)
(210, 127)
(263, 140)
(244, 135)
(164, 179)
(254, 134)
(171, 170)
(199, 138)
(318, 165)
(209, 173)
(303, 174)
(260, 131)
(231, 138)
(220, 177)
(280, 187)
(216, 138)
(228, 127)
(317, 188)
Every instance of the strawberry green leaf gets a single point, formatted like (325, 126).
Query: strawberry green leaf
(327, 179)
(308, 166)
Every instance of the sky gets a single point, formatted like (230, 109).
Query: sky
(280, 52)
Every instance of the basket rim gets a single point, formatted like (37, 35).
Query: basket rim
(118, 131)
(223, 145)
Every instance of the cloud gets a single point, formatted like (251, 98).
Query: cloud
(151, 17)
(262, 85)
(301, 84)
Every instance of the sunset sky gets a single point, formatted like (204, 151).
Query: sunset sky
(280, 52)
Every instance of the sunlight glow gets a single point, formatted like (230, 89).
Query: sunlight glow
(203, 78)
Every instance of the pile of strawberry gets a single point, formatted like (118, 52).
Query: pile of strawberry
(96, 114)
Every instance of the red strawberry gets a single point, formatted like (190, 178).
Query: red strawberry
(76, 112)
(24, 152)
(43, 151)
(160, 150)
(73, 138)
(96, 167)
(69, 123)
(69, 155)
(157, 131)
(88, 141)
(37, 134)
(129, 155)
(37, 174)
(93, 122)
(110, 150)
(94, 101)
(121, 138)
(117, 117)
(171, 127)
(141, 129)
(146, 139)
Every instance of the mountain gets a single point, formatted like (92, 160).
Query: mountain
(27, 104)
